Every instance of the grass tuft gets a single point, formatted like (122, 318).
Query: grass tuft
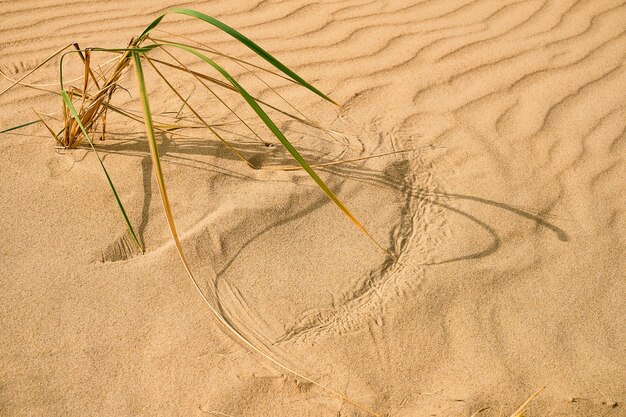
(84, 110)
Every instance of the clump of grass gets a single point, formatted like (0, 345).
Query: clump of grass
(84, 113)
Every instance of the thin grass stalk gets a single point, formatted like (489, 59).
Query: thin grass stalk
(84, 59)
(45, 61)
(48, 127)
(522, 408)
(206, 48)
(221, 101)
(186, 103)
(231, 88)
(241, 63)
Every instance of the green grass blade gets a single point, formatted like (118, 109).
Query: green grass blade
(154, 153)
(70, 106)
(20, 126)
(279, 135)
(241, 38)
(148, 29)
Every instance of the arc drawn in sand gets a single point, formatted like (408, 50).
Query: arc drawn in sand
(420, 228)
(413, 238)
(361, 304)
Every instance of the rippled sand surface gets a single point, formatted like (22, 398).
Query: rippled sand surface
(500, 195)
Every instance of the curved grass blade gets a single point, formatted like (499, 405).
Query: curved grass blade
(241, 38)
(279, 135)
(74, 114)
(156, 163)
(154, 153)
(223, 320)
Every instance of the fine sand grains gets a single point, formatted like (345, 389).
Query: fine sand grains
(506, 219)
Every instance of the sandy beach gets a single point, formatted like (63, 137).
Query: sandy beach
(481, 144)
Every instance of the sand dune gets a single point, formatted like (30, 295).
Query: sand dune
(502, 205)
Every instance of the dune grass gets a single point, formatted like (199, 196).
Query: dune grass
(91, 116)
(85, 109)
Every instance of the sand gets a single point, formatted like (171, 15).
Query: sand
(506, 218)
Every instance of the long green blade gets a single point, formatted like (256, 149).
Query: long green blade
(276, 131)
(70, 106)
(241, 38)
(19, 127)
